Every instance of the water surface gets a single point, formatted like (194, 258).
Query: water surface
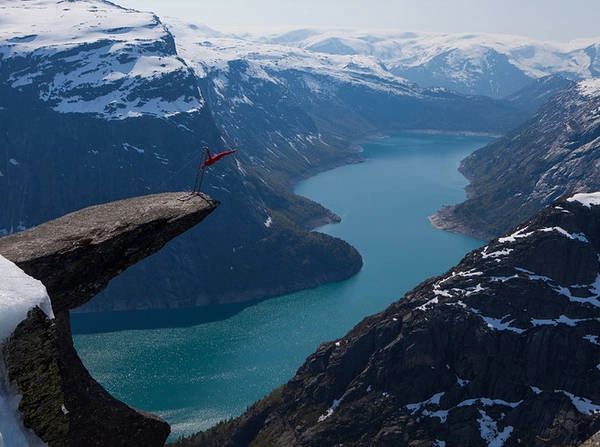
(196, 367)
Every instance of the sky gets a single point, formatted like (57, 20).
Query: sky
(556, 20)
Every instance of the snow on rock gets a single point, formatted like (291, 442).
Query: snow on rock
(490, 432)
(589, 88)
(18, 294)
(336, 403)
(92, 56)
(521, 234)
(583, 404)
(589, 199)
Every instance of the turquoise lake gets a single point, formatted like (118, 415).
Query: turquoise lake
(195, 367)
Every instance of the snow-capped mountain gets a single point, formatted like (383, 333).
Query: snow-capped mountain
(486, 64)
(91, 56)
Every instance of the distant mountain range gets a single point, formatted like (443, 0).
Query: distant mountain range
(474, 64)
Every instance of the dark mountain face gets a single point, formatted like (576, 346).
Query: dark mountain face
(554, 153)
(504, 349)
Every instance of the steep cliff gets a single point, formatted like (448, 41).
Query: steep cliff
(503, 349)
(554, 153)
(75, 257)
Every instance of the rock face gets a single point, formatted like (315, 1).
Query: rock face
(75, 257)
(504, 349)
(553, 154)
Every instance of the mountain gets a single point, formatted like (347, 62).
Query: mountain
(100, 103)
(503, 349)
(475, 64)
(540, 91)
(554, 153)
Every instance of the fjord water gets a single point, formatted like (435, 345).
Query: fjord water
(197, 367)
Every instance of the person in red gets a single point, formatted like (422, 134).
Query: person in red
(212, 159)
(209, 160)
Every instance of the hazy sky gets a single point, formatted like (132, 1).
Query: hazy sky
(542, 19)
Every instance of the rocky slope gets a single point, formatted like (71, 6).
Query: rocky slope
(503, 349)
(554, 153)
(75, 257)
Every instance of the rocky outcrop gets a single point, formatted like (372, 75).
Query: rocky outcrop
(554, 153)
(75, 257)
(504, 349)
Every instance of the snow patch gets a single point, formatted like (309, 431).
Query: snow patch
(268, 222)
(536, 390)
(583, 404)
(425, 306)
(563, 319)
(498, 324)
(520, 234)
(589, 199)
(488, 429)
(433, 400)
(336, 403)
(593, 339)
(19, 293)
(589, 87)
(462, 382)
(495, 254)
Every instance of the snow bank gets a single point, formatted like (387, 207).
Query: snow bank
(586, 199)
(18, 294)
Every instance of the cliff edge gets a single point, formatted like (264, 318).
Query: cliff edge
(75, 257)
